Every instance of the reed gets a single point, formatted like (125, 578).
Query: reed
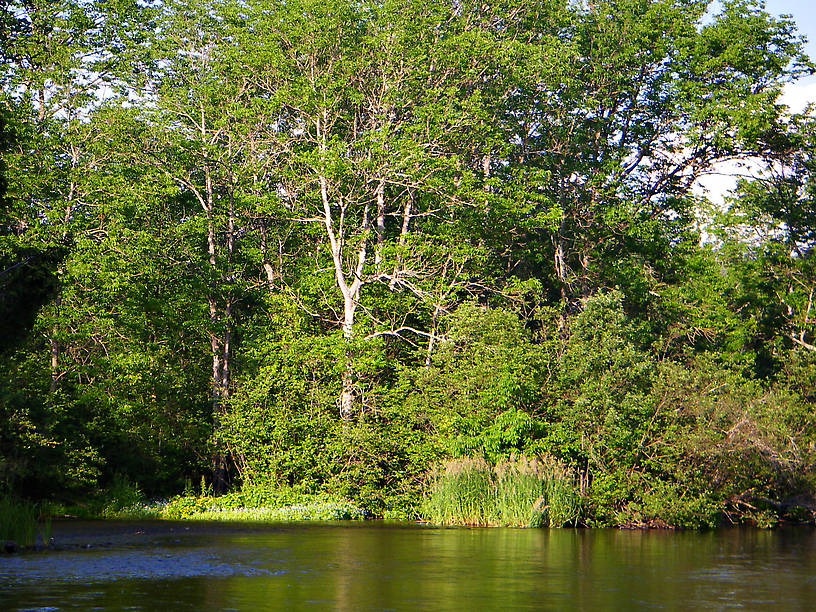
(460, 493)
(563, 503)
(20, 523)
(519, 492)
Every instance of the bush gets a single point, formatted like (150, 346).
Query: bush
(181, 506)
(121, 495)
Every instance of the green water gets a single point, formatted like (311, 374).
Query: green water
(405, 567)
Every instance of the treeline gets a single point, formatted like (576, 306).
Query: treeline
(326, 245)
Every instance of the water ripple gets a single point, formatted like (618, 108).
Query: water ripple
(115, 565)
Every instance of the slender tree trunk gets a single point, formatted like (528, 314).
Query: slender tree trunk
(271, 274)
(53, 385)
(406, 222)
(226, 346)
(349, 395)
(55, 348)
(347, 401)
(378, 251)
(219, 342)
(560, 264)
(586, 260)
(432, 337)
(562, 269)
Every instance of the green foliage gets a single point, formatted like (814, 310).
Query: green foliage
(484, 379)
(122, 498)
(264, 496)
(600, 399)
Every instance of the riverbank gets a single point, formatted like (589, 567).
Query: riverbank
(26, 526)
(225, 509)
(76, 534)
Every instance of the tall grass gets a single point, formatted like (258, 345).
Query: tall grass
(521, 492)
(459, 493)
(20, 523)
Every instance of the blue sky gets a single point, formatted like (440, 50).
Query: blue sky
(804, 14)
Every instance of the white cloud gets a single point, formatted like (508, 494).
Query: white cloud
(723, 177)
(798, 95)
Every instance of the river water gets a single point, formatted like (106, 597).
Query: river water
(375, 566)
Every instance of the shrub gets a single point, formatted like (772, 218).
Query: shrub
(121, 495)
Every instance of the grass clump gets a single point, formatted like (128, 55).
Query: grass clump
(317, 511)
(22, 524)
(519, 492)
(460, 493)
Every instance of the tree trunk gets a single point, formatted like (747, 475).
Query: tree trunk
(55, 374)
(561, 274)
(271, 274)
(348, 399)
(349, 395)
(378, 251)
(55, 349)
(220, 336)
(406, 222)
(432, 337)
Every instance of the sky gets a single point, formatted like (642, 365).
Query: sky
(804, 14)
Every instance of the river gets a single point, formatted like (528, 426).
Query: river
(380, 566)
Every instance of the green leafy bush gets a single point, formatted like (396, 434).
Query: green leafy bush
(182, 507)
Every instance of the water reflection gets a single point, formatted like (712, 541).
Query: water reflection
(378, 567)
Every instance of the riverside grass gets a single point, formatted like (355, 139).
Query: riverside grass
(124, 501)
(20, 523)
(518, 492)
(299, 512)
(205, 508)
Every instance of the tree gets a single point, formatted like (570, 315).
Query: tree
(372, 108)
(610, 141)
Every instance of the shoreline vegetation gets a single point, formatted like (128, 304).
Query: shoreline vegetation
(466, 494)
(23, 525)
(519, 492)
